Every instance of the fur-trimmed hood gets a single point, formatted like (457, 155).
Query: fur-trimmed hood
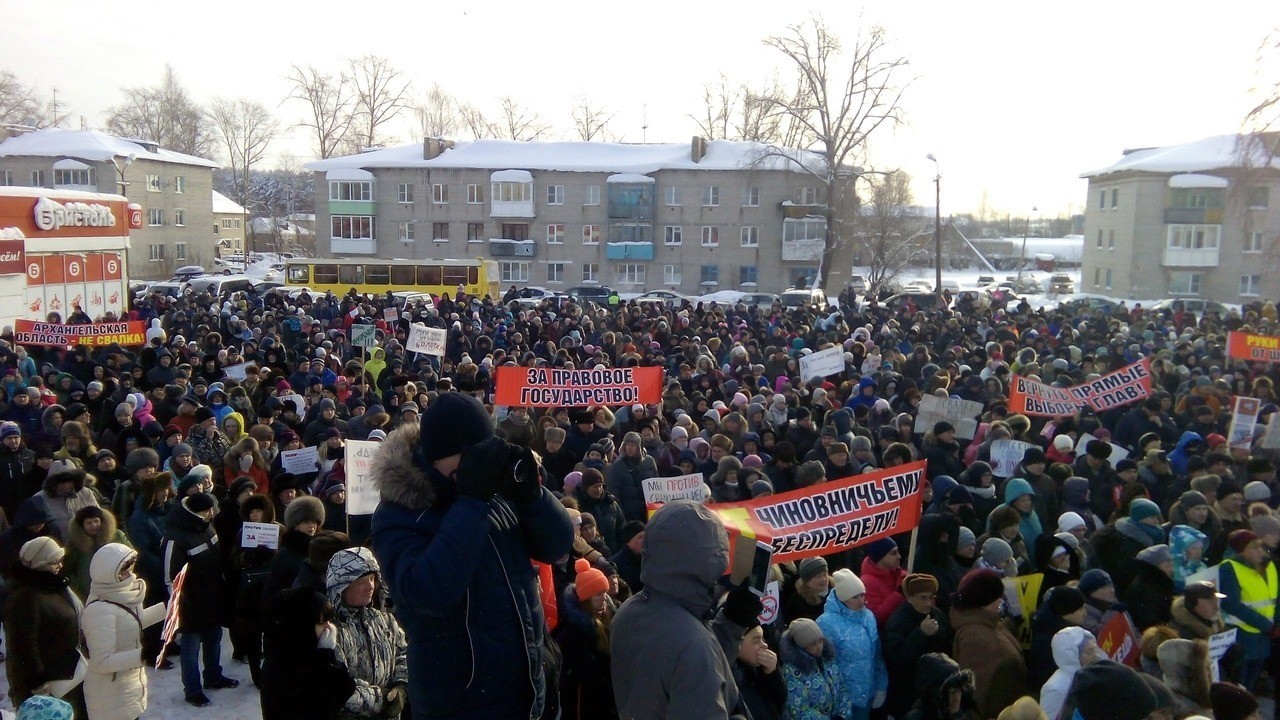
(401, 477)
(1191, 624)
(1185, 664)
(80, 540)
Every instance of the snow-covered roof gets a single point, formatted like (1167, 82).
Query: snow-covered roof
(349, 173)
(35, 192)
(512, 176)
(629, 178)
(69, 164)
(225, 205)
(1195, 180)
(640, 159)
(90, 145)
(1212, 153)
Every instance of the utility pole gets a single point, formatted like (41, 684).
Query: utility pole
(937, 225)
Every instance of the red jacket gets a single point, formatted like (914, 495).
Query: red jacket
(884, 589)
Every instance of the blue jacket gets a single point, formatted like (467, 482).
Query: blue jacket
(815, 690)
(858, 654)
(1179, 457)
(465, 591)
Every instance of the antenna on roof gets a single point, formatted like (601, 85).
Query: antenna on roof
(644, 123)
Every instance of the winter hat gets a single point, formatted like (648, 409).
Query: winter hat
(996, 552)
(1033, 455)
(1156, 555)
(40, 553)
(1192, 499)
(1063, 443)
(1024, 708)
(187, 482)
(62, 467)
(1064, 600)
(1069, 521)
(1126, 464)
(9, 429)
(878, 549)
(1231, 702)
(811, 567)
(1200, 590)
(44, 707)
(572, 480)
(141, 458)
(1094, 580)
(919, 583)
(1098, 449)
(967, 538)
(303, 509)
(631, 529)
(1142, 508)
(451, 424)
(1257, 491)
(1228, 488)
(589, 581)
(1164, 698)
(978, 588)
(942, 426)
(804, 632)
(203, 414)
(591, 477)
(200, 502)
(959, 495)
(847, 585)
(1096, 687)
(239, 485)
(180, 449)
(761, 487)
(377, 435)
(1241, 539)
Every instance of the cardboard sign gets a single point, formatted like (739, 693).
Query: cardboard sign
(685, 487)
(1218, 646)
(1119, 640)
(554, 387)
(300, 461)
(822, 363)
(365, 336)
(390, 314)
(299, 401)
(362, 493)
(1006, 455)
(772, 602)
(1118, 453)
(238, 372)
(831, 516)
(1029, 397)
(1248, 346)
(1027, 588)
(1129, 384)
(425, 340)
(30, 332)
(961, 413)
(1271, 438)
(1244, 416)
(260, 535)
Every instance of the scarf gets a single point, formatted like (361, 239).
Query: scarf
(128, 592)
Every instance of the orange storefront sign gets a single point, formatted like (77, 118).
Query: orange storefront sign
(556, 387)
(1248, 346)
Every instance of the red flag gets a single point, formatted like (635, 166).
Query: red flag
(171, 615)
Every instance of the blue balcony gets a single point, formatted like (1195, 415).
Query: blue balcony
(629, 251)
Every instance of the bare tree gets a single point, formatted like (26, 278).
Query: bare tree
(165, 114)
(244, 129)
(437, 114)
(888, 237)
(719, 98)
(476, 123)
(22, 104)
(381, 92)
(842, 98)
(516, 122)
(591, 122)
(330, 104)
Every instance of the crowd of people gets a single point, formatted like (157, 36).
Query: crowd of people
(514, 570)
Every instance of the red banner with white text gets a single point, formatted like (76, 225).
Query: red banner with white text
(1129, 384)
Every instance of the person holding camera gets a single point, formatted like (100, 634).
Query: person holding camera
(462, 515)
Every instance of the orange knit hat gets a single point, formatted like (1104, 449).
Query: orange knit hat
(590, 581)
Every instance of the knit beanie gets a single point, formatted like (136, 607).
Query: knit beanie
(631, 529)
(40, 553)
(1192, 499)
(1257, 491)
(1097, 686)
(571, 481)
(200, 502)
(967, 538)
(878, 549)
(1064, 600)
(1069, 521)
(1024, 708)
(452, 423)
(140, 458)
(180, 449)
(978, 588)
(44, 707)
(9, 429)
(187, 482)
(589, 581)
(1156, 555)
(996, 552)
(804, 632)
(847, 584)
(811, 567)
(1231, 702)
(303, 509)
(1142, 508)
(1094, 580)
(1240, 539)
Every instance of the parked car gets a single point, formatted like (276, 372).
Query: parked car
(1195, 306)
(221, 285)
(858, 284)
(986, 279)
(1061, 284)
(594, 293)
(668, 298)
(532, 296)
(760, 299)
(803, 297)
(921, 300)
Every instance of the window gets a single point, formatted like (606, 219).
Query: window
(226, 223)
(555, 234)
(1184, 283)
(673, 235)
(1249, 284)
(515, 231)
(630, 273)
(475, 194)
(590, 234)
(404, 193)
(672, 275)
(593, 195)
(1259, 199)
(747, 275)
(1193, 237)
(591, 272)
(237, 223)
(1097, 277)
(73, 177)
(807, 196)
(180, 218)
(672, 196)
(555, 272)
(157, 252)
(710, 236)
(512, 192)
(1099, 239)
(351, 227)
(440, 194)
(6, 178)
(1108, 278)
(153, 183)
(155, 217)
(179, 185)
(751, 197)
(180, 251)
(1115, 199)
(807, 229)
(1253, 243)
(711, 196)
(514, 272)
(440, 231)
(377, 275)
(475, 232)
(1111, 239)
(358, 190)
(405, 234)
(555, 194)
(749, 235)
(710, 275)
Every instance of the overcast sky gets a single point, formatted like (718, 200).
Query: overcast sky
(1016, 99)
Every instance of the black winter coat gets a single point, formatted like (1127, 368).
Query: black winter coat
(1150, 596)
(943, 459)
(1040, 662)
(904, 644)
(764, 695)
(190, 540)
(42, 625)
(586, 683)
(287, 562)
(300, 681)
(608, 515)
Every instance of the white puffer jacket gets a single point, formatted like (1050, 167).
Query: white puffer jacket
(115, 688)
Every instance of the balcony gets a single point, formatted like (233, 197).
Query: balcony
(502, 247)
(1185, 257)
(628, 251)
(802, 250)
(1193, 216)
(795, 211)
(512, 194)
(346, 246)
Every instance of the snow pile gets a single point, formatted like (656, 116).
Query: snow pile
(1212, 153)
(1194, 180)
(512, 176)
(629, 178)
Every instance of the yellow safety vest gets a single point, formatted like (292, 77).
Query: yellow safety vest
(1258, 593)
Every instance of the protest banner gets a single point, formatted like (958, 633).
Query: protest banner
(1117, 453)
(30, 332)
(298, 401)
(390, 314)
(1027, 590)
(1028, 397)
(832, 516)
(962, 414)
(238, 371)
(1119, 640)
(254, 534)
(425, 340)
(555, 387)
(170, 628)
(1218, 646)
(1271, 438)
(300, 461)
(1248, 346)
(771, 602)
(684, 487)
(1244, 416)
(1129, 384)
(822, 363)
(364, 336)
(1006, 455)
(362, 493)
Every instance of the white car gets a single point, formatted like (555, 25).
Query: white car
(665, 297)
(533, 296)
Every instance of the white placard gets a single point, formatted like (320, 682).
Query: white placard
(1117, 453)
(684, 487)
(365, 336)
(822, 363)
(300, 461)
(1006, 455)
(425, 340)
(1271, 438)
(1218, 646)
(962, 414)
(390, 314)
(260, 534)
(237, 372)
(1244, 416)
(772, 602)
(299, 401)
(362, 494)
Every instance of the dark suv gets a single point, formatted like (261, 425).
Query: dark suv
(595, 293)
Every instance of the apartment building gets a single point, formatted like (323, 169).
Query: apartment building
(173, 190)
(695, 218)
(229, 222)
(1194, 220)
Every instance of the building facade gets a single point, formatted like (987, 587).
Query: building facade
(175, 191)
(1196, 220)
(694, 218)
(229, 222)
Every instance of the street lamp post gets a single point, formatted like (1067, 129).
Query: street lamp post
(1022, 260)
(937, 224)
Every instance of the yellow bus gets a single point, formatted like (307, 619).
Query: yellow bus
(378, 276)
